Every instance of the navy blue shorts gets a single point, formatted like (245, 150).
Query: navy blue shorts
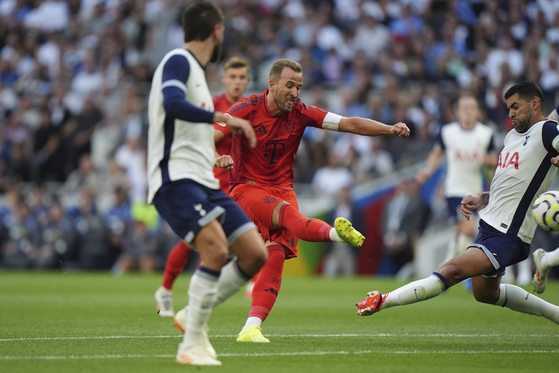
(502, 249)
(453, 206)
(189, 206)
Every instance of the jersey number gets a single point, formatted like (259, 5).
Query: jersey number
(274, 150)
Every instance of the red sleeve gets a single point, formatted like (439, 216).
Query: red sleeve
(223, 128)
(242, 108)
(314, 115)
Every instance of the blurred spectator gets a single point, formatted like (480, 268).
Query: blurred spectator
(92, 249)
(132, 158)
(84, 177)
(119, 221)
(340, 257)
(405, 218)
(333, 177)
(23, 238)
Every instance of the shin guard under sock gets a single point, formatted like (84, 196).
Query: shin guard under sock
(313, 230)
(267, 286)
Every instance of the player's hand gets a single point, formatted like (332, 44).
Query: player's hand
(422, 176)
(224, 161)
(469, 204)
(400, 129)
(244, 128)
(555, 161)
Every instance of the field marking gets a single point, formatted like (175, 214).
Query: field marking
(263, 354)
(283, 336)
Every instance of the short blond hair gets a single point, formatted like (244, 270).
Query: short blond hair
(279, 65)
(236, 63)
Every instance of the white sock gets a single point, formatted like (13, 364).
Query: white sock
(550, 259)
(253, 321)
(230, 281)
(334, 236)
(416, 291)
(518, 299)
(202, 295)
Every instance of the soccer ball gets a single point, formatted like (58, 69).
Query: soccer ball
(546, 211)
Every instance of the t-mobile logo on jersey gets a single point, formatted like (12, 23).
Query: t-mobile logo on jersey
(274, 150)
(510, 160)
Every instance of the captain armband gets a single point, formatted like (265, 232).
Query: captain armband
(331, 122)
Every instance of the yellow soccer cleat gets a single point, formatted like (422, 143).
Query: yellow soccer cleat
(252, 334)
(347, 233)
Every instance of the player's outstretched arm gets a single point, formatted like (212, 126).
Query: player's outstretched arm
(555, 161)
(238, 126)
(474, 202)
(433, 162)
(369, 127)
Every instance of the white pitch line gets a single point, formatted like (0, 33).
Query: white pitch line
(305, 353)
(434, 335)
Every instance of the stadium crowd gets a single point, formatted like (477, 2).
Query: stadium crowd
(75, 75)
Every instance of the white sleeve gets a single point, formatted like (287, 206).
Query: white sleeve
(331, 121)
(555, 115)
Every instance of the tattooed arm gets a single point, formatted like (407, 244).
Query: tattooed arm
(474, 202)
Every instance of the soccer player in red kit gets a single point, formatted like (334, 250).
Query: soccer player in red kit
(262, 178)
(235, 79)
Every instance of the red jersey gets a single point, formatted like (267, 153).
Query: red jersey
(224, 146)
(271, 162)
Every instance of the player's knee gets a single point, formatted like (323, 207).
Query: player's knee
(259, 258)
(452, 274)
(215, 250)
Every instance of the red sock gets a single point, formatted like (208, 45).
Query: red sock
(176, 261)
(313, 230)
(255, 277)
(267, 286)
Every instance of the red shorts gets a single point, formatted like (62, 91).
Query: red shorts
(259, 203)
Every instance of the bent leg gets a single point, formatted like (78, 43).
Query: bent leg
(250, 257)
(313, 230)
(518, 299)
(473, 262)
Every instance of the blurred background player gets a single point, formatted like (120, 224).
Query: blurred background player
(262, 180)
(527, 165)
(235, 79)
(468, 146)
(182, 185)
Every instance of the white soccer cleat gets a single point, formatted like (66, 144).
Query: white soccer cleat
(164, 301)
(196, 355)
(180, 322)
(540, 277)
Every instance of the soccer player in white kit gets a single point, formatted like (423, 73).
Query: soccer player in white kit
(506, 228)
(182, 185)
(468, 145)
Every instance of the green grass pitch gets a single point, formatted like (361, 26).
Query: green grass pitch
(84, 322)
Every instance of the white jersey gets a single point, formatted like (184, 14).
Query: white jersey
(179, 149)
(465, 150)
(523, 173)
